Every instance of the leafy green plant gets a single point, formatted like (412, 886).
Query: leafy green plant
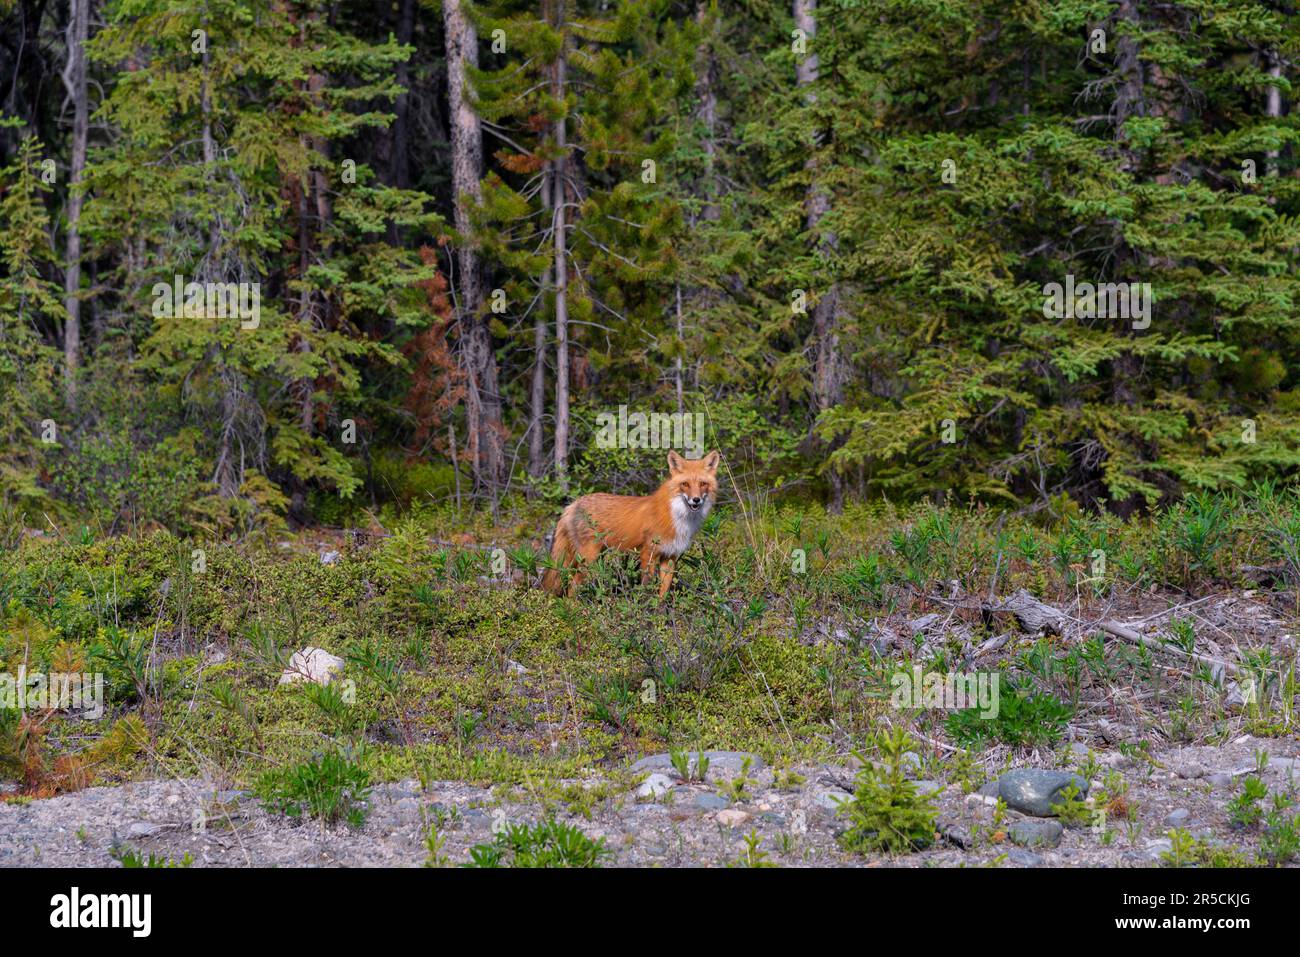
(548, 843)
(1035, 719)
(1244, 809)
(129, 857)
(737, 789)
(753, 855)
(329, 787)
(686, 768)
(609, 698)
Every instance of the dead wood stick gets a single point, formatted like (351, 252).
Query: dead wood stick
(1128, 634)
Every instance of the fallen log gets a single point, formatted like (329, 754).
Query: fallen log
(1128, 634)
(1034, 617)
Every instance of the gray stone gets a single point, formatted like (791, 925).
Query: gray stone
(832, 798)
(1157, 847)
(1178, 817)
(1024, 858)
(723, 765)
(957, 836)
(1285, 767)
(928, 787)
(1034, 790)
(707, 801)
(1219, 780)
(1044, 833)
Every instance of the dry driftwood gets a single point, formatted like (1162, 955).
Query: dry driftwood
(1034, 617)
(1128, 634)
(1031, 614)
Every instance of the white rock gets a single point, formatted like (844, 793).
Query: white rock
(312, 664)
(655, 786)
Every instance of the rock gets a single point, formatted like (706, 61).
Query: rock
(312, 664)
(957, 836)
(1079, 751)
(706, 801)
(655, 786)
(1024, 858)
(329, 557)
(1157, 847)
(928, 787)
(1110, 733)
(516, 667)
(1044, 833)
(1285, 767)
(832, 798)
(1219, 779)
(1238, 696)
(988, 789)
(1034, 790)
(139, 829)
(723, 765)
(911, 763)
(1178, 817)
(731, 817)
(1190, 770)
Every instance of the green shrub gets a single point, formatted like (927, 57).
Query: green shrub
(330, 787)
(887, 813)
(1023, 720)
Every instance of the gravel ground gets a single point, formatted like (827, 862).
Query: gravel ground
(686, 825)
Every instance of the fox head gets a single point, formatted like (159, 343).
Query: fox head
(694, 481)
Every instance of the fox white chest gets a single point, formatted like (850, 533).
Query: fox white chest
(686, 522)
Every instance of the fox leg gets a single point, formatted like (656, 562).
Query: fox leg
(588, 552)
(648, 564)
(666, 568)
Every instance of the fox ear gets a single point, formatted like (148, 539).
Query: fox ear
(675, 462)
(711, 460)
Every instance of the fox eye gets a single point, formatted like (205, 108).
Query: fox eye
(685, 487)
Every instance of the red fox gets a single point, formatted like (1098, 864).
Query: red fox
(659, 526)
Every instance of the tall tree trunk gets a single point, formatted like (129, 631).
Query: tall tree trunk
(706, 109)
(828, 366)
(75, 80)
(1273, 106)
(559, 197)
(483, 403)
(537, 394)
(1130, 100)
(399, 164)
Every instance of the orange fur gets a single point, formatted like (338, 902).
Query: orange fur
(658, 526)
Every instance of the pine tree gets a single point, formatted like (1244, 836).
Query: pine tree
(231, 166)
(30, 303)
